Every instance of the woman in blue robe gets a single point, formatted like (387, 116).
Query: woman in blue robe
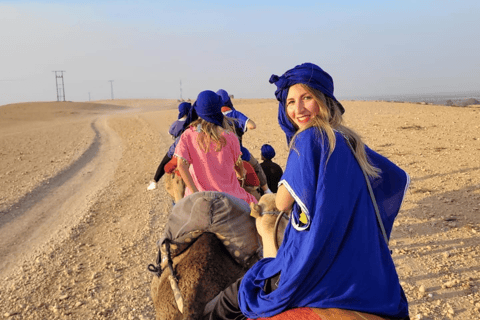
(335, 250)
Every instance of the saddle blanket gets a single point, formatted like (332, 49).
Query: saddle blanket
(322, 314)
(219, 213)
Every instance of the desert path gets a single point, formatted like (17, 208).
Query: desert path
(41, 215)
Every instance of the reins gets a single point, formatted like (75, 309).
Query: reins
(171, 277)
(280, 215)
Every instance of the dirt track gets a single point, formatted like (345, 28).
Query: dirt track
(79, 173)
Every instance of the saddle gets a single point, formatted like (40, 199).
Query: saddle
(215, 212)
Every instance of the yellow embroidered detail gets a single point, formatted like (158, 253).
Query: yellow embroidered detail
(303, 218)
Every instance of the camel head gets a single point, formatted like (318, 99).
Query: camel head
(265, 204)
(266, 213)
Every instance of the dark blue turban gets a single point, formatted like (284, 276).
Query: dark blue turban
(184, 109)
(306, 73)
(226, 101)
(209, 107)
(268, 152)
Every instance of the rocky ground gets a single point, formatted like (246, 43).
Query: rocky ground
(78, 227)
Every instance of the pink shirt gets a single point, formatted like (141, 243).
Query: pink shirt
(212, 170)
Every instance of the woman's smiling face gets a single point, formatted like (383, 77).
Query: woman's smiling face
(301, 107)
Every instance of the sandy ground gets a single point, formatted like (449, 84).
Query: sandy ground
(78, 227)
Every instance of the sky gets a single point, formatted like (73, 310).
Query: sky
(176, 49)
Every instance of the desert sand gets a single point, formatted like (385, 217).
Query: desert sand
(78, 226)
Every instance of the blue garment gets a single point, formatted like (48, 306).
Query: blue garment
(267, 151)
(306, 73)
(245, 153)
(226, 101)
(191, 116)
(177, 128)
(333, 254)
(183, 109)
(171, 150)
(240, 120)
(209, 107)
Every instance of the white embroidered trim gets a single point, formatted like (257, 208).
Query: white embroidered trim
(245, 128)
(300, 203)
(406, 188)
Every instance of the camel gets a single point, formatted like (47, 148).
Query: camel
(203, 270)
(174, 185)
(270, 223)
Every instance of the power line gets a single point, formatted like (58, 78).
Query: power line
(181, 98)
(60, 85)
(111, 85)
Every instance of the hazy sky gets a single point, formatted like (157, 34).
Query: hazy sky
(370, 48)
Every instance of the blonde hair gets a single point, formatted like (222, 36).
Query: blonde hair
(329, 119)
(210, 132)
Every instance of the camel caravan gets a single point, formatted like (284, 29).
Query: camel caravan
(316, 247)
(210, 239)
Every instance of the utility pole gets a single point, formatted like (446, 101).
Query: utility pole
(181, 98)
(111, 85)
(60, 85)
(89, 96)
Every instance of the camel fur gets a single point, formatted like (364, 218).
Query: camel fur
(174, 185)
(203, 270)
(265, 223)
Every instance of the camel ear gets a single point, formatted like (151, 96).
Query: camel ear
(255, 210)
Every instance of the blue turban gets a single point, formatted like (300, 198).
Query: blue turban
(183, 109)
(306, 73)
(226, 101)
(268, 152)
(209, 107)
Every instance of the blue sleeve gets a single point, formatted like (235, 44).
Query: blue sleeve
(240, 118)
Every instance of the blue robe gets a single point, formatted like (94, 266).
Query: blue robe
(333, 254)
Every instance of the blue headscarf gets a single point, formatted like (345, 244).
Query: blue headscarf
(209, 107)
(306, 73)
(226, 101)
(267, 151)
(184, 109)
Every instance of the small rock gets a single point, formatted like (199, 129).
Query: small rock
(63, 297)
(422, 289)
(448, 284)
(55, 309)
(78, 304)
